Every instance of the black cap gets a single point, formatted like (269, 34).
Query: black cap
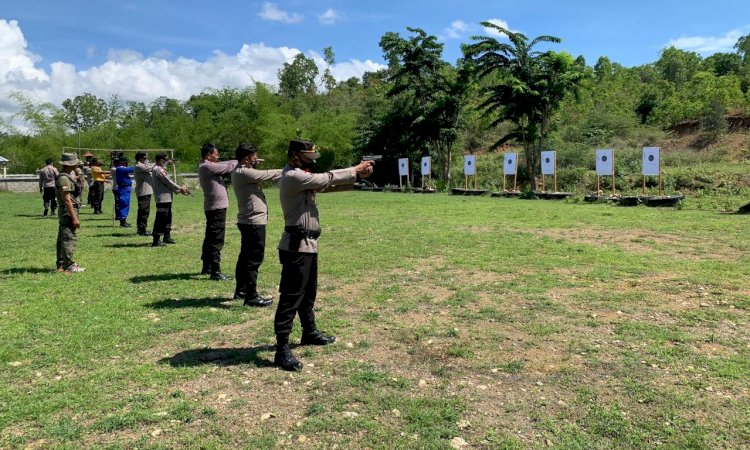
(307, 147)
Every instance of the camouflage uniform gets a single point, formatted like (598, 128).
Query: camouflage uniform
(66, 233)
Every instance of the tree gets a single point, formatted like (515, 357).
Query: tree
(678, 66)
(426, 93)
(328, 81)
(85, 111)
(528, 86)
(298, 77)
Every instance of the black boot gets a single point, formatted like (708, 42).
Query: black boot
(285, 359)
(316, 338)
(143, 232)
(217, 275)
(157, 241)
(257, 301)
(168, 239)
(206, 270)
(45, 211)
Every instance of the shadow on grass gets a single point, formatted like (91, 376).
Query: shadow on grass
(128, 245)
(121, 234)
(166, 277)
(37, 216)
(208, 302)
(25, 270)
(221, 357)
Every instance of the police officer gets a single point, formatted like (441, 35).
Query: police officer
(65, 186)
(143, 190)
(215, 203)
(298, 249)
(47, 177)
(164, 188)
(252, 218)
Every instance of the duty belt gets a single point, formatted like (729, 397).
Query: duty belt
(304, 234)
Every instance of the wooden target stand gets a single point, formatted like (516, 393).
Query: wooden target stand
(466, 181)
(643, 190)
(596, 197)
(554, 195)
(400, 181)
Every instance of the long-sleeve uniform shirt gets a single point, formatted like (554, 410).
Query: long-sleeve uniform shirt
(143, 180)
(251, 201)
(214, 189)
(297, 190)
(47, 177)
(163, 186)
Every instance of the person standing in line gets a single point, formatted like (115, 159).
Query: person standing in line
(115, 191)
(65, 185)
(80, 185)
(215, 203)
(143, 190)
(298, 249)
(98, 178)
(47, 177)
(124, 188)
(164, 188)
(252, 218)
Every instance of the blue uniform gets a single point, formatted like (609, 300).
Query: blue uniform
(124, 187)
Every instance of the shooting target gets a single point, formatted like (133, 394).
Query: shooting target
(403, 167)
(604, 162)
(426, 165)
(548, 162)
(510, 166)
(651, 164)
(470, 163)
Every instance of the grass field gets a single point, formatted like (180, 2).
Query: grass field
(499, 323)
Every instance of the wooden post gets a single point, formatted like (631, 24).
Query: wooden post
(555, 175)
(597, 185)
(543, 187)
(613, 173)
(515, 179)
(466, 182)
(660, 173)
(643, 190)
(503, 182)
(475, 182)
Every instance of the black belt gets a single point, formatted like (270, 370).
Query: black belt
(302, 233)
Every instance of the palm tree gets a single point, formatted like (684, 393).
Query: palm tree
(526, 86)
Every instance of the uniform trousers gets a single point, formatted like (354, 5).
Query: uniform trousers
(123, 202)
(66, 242)
(163, 220)
(96, 195)
(144, 209)
(213, 241)
(49, 198)
(252, 252)
(297, 291)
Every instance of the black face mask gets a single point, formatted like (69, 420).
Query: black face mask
(254, 164)
(304, 165)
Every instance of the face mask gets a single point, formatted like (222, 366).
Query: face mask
(309, 166)
(254, 164)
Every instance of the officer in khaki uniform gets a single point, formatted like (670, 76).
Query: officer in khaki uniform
(252, 218)
(298, 249)
(65, 187)
(47, 177)
(164, 188)
(143, 190)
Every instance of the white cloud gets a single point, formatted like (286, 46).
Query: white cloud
(708, 44)
(501, 23)
(132, 76)
(329, 17)
(270, 11)
(457, 30)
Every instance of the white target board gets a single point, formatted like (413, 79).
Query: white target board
(651, 163)
(605, 158)
(548, 162)
(403, 167)
(510, 163)
(470, 165)
(426, 165)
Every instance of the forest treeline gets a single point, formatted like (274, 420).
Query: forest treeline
(516, 91)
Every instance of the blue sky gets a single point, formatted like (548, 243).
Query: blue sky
(53, 49)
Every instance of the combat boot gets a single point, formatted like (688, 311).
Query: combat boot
(285, 359)
(168, 239)
(217, 275)
(157, 241)
(316, 338)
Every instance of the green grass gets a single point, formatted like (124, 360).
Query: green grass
(509, 323)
